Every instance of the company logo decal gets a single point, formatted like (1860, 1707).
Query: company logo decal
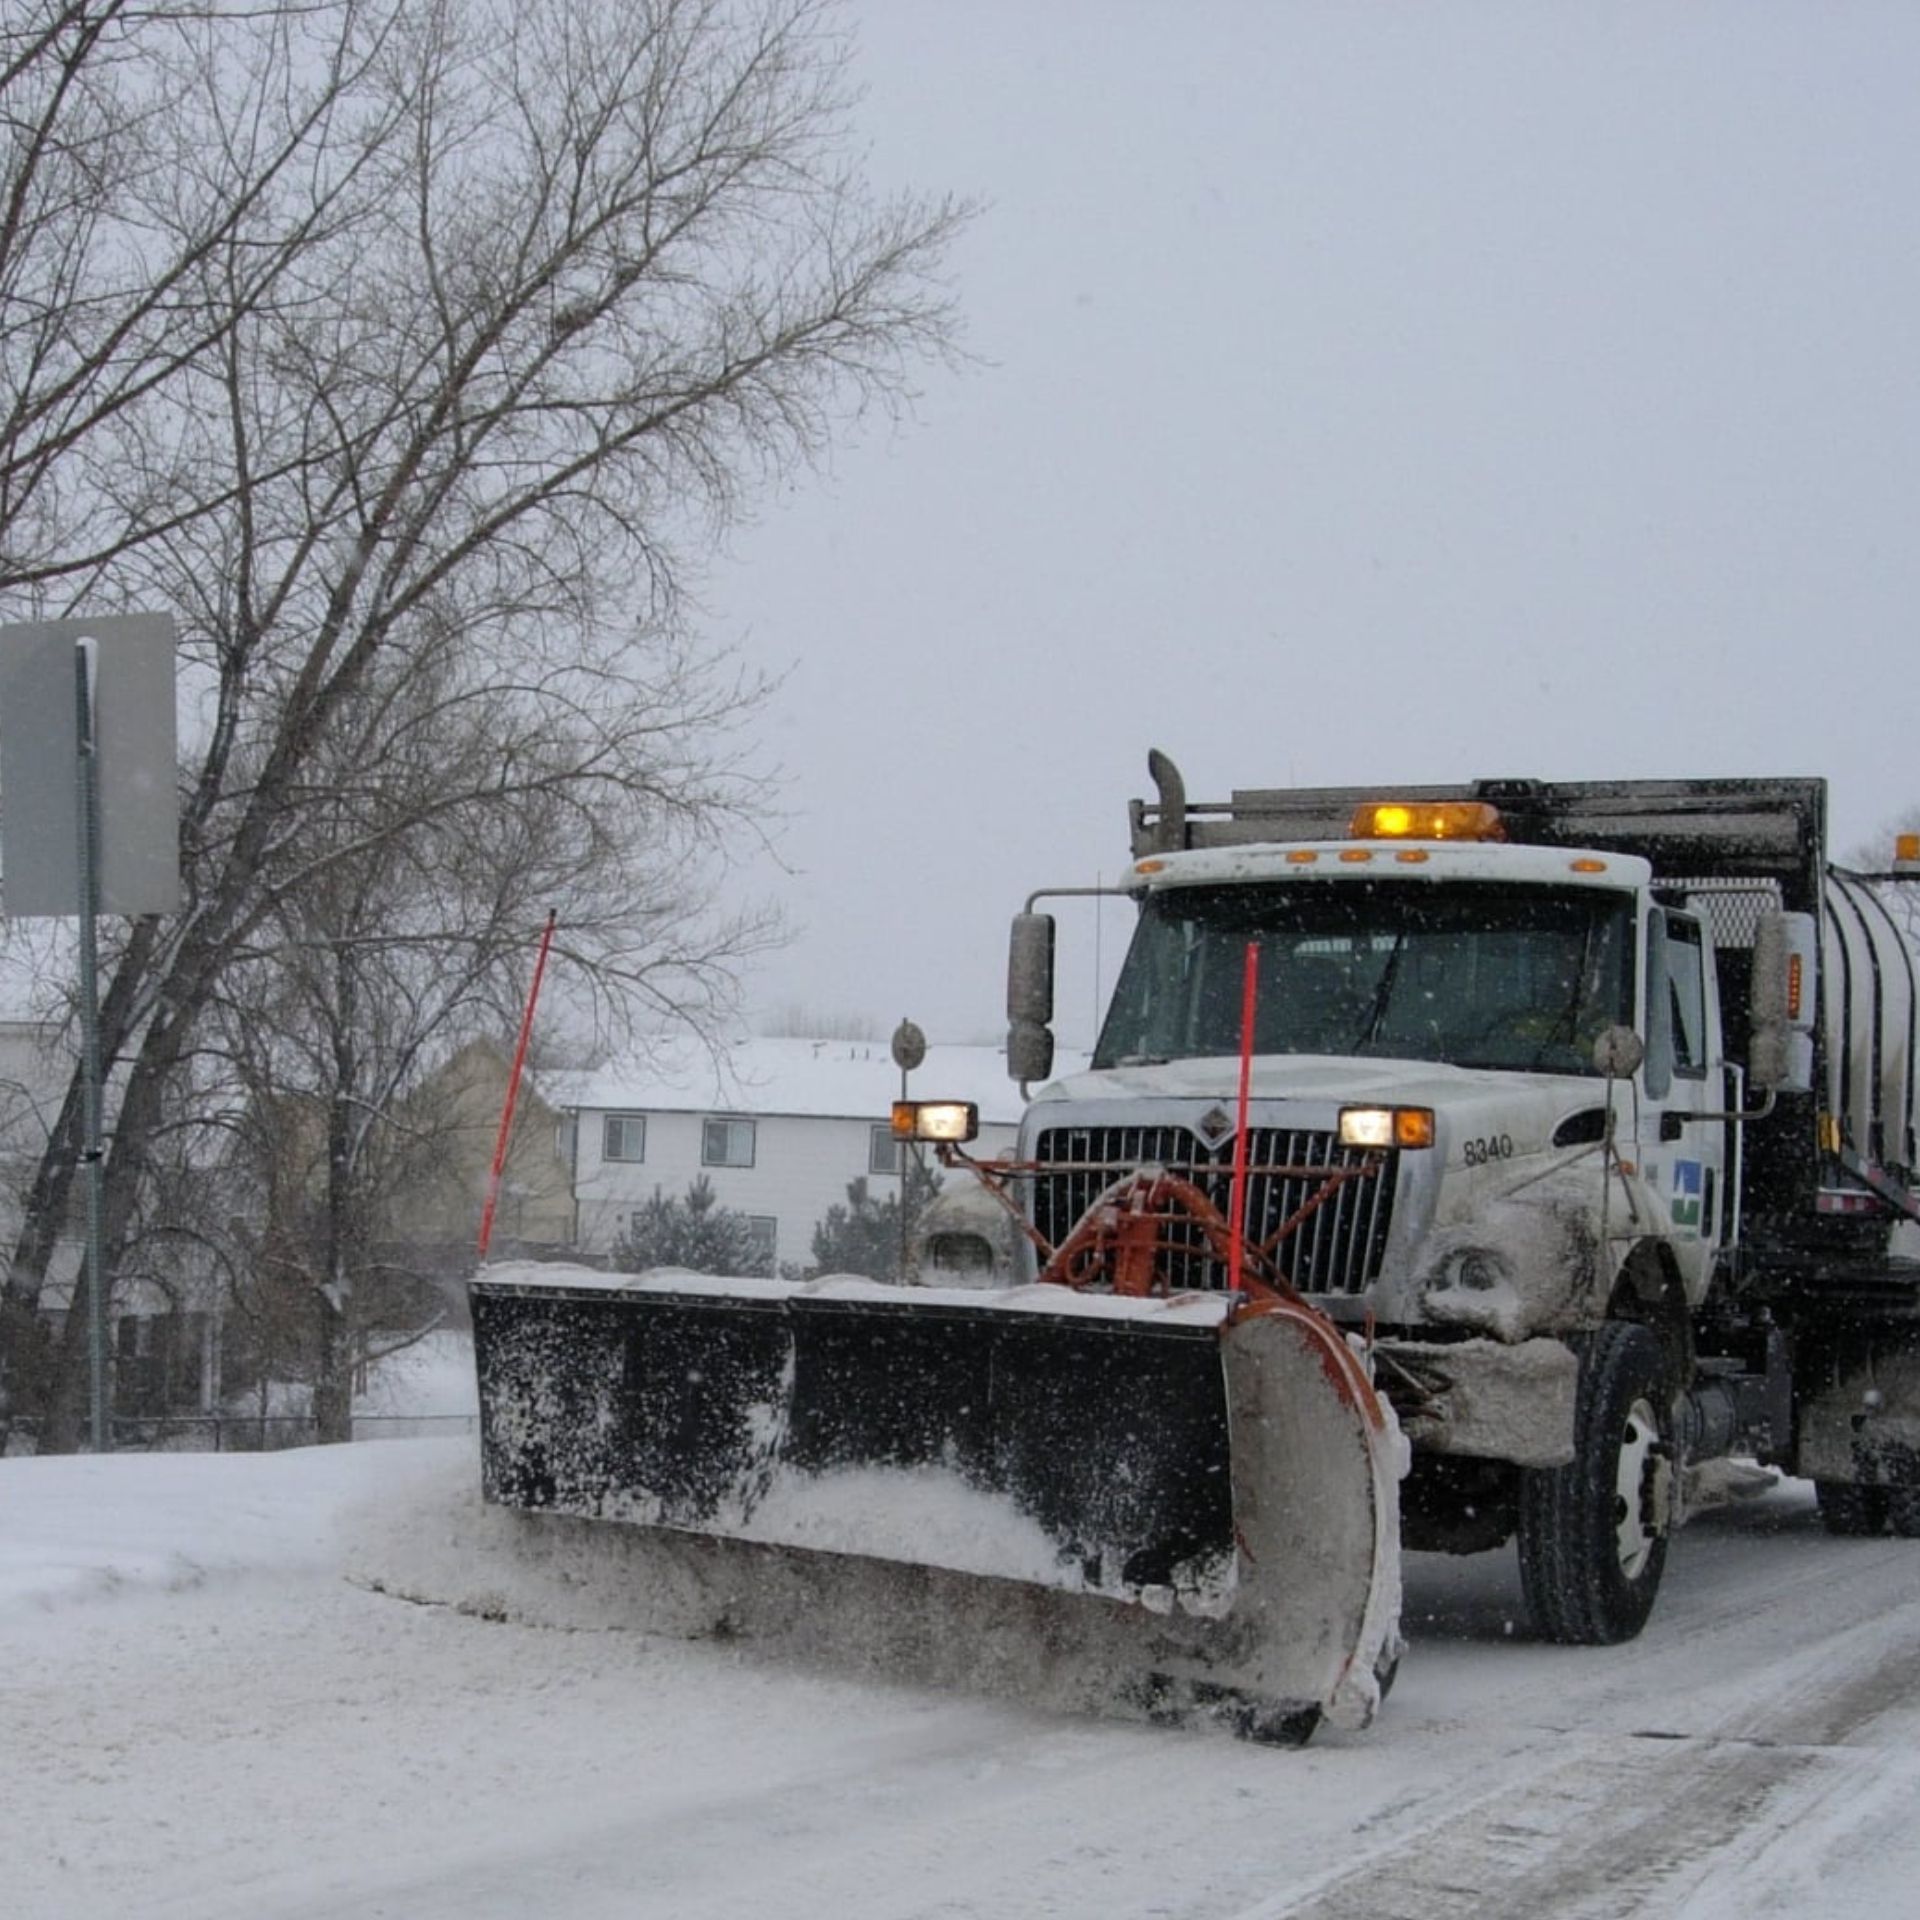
(1686, 1194)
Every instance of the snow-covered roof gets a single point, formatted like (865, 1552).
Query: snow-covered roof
(831, 1079)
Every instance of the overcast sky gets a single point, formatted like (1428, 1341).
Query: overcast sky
(1365, 393)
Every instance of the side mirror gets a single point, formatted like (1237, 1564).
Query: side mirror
(1659, 1054)
(1029, 1050)
(1030, 997)
(1618, 1053)
(1030, 969)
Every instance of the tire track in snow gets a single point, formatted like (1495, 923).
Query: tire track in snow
(1746, 1588)
(1625, 1826)
(1597, 1838)
(1836, 1697)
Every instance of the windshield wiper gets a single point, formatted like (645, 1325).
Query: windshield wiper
(1381, 995)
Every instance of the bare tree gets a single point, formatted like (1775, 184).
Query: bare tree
(166, 165)
(596, 272)
(403, 939)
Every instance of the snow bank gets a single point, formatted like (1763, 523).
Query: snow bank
(79, 1527)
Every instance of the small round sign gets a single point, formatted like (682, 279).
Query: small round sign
(909, 1046)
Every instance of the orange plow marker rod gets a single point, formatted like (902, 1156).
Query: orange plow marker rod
(513, 1087)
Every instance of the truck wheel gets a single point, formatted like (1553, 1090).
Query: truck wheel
(1852, 1511)
(1593, 1534)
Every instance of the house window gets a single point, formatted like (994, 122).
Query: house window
(623, 1136)
(766, 1232)
(726, 1143)
(883, 1151)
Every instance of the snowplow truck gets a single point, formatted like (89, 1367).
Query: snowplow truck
(1453, 1164)
(1621, 1076)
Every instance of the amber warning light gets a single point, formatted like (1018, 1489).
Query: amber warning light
(1386, 1126)
(1426, 820)
(950, 1120)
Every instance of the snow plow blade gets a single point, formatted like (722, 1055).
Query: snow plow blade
(1203, 1508)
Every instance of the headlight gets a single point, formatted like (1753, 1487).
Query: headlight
(1477, 1269)
(949, 1120)
(1386, 1126)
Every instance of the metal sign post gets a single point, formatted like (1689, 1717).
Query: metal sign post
(909, 1048)
(89, 825)
(92, 1157)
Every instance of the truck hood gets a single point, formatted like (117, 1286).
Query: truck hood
(1477, 1220)
(1334, 1080)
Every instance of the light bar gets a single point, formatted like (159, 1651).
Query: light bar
(1386, 1126)
(1426, 820)
(949, 1120)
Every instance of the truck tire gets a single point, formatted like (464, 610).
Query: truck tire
(1850, 1511)
(1593, 1534)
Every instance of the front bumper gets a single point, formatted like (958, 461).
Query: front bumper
(1483, 1398)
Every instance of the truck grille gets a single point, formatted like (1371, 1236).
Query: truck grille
(1338, 1249)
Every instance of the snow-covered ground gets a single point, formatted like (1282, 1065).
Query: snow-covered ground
(216, 1704)
(420, 1391)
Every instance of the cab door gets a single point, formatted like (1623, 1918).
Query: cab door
(1682, 1152)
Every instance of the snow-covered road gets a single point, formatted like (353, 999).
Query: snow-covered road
(208, 1711)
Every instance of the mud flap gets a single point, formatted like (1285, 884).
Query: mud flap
(1207, 1511)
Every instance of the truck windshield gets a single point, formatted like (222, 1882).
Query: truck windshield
(1476, 973)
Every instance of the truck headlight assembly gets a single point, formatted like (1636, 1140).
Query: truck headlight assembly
(1386, 1126)
(953, 1121)
(1478, 1269)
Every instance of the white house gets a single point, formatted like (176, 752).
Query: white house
(780, 1127)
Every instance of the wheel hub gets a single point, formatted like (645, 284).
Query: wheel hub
(1643, 1490)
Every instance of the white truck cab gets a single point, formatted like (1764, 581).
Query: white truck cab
(1588, 1108)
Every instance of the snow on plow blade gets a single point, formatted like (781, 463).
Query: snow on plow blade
(1205, 1510)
